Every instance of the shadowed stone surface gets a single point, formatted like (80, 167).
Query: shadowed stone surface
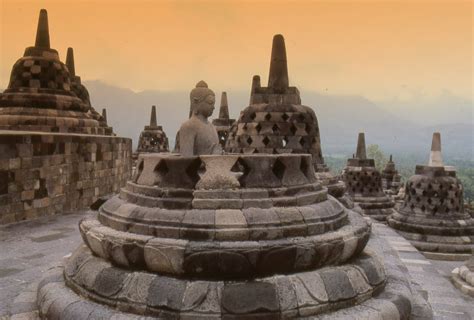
(223, 123)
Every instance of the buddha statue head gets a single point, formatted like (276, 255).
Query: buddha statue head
(202, 100)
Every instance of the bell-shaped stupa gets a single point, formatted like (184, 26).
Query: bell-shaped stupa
(276, 122)
(391, 179)
(432, 216)
(153, 138)
(55, 146)
(364, 184)
(45, 95)
(223, 123)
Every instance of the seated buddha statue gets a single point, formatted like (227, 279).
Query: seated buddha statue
(198, 136)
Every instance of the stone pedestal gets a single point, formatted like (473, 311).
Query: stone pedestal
(223, 237)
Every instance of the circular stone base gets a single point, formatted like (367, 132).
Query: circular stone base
(347, 288)
(304, 293)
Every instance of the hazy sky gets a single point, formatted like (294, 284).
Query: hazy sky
(377, 49)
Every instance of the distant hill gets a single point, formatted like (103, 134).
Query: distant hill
(340, 117)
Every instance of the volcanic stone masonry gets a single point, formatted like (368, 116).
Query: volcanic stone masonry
(56, 152)
(391, 180)
(463, 277)
(364, 185)
(432, 216)
(275, 122)
(223, 123)
(249, 236)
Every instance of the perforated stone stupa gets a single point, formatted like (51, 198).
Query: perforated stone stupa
(276, 122)
(223, 123)
(391, 180)
(153, 138)
(432, 216)
(364, 184)
(57, 153)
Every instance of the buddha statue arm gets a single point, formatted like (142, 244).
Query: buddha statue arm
(187, 139)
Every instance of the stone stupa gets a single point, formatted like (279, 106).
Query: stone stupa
(276, 122)
(54, 145)
(223, 123)
(364, 184)
(153, 138)
(236, 236)
(432, 216)
(391, 179)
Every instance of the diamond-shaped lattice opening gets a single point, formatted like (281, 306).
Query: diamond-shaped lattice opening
(301, 117)
(253, 115)
(275, 128)
(268, 116)
(293, 129)
(258, 127)
(285, 117)
(241, 166)
(284, 141)
(249, 140)
(266, 140)
(161, 168)
(278, 169)
(194, 168)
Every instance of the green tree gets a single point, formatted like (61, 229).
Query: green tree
(374, 152)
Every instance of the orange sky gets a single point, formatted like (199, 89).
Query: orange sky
(373, 48)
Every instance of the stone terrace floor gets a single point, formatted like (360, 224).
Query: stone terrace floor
(28, 249)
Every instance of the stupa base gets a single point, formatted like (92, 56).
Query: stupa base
(378, 208)
(358, 290)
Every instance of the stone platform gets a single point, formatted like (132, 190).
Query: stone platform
(54, 237)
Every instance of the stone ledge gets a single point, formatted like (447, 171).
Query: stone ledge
(227, 259)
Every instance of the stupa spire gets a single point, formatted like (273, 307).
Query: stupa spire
(224, 109)
(42, 33)
(104, 114)
(70, 62)
(153, 122)
(278, 76)
(436, 159)
(361, 152)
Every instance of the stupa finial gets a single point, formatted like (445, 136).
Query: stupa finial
(436, 159)
(278, 76)
(224, 109)
(42, 33)
(390, 159)
(153, 122)
(361, 152)
(104, 114)
(70, 62)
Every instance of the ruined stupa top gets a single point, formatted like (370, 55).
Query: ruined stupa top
(275, 121)
(390, 166)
